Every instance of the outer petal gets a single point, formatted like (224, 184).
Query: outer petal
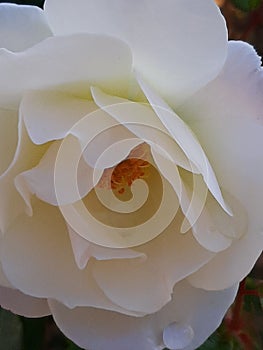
(22, 304)
(234, 264)
(185, 138)
(51, 271)
(26, 156)
(3, 280)
(135, 286)
(22, 26)
(71, 62)
(227, 117)
(178, 46)
(101, 330)
(147, 285)
(8, 126)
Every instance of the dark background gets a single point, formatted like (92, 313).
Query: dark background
(245, 22)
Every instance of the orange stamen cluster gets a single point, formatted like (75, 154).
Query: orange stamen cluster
(120, 177)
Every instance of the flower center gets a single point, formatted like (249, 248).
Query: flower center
(134, 167)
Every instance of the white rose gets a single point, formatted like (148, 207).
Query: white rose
(116, 219)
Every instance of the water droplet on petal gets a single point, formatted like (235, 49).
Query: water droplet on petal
(177, 336)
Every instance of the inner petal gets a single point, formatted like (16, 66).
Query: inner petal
(102, 223)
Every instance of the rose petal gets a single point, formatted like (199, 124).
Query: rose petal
(144, 123)
(73, 173)
(49, 115)
(84, 250)
(51, 271)
(232, 139)
(162, 36)
(22, 26)
(240, 84)
(98, 329)
(133, 285)
(214, 229)
(22, 304)
(8, 126)
(234, 264)
(186, 140)
(3, 280)
(40, 180)
(146, 285)
(191, 208)
(103, 142)
(26, 156)
(52, 115)
(123, 224)
(176, 255)
(70, 62)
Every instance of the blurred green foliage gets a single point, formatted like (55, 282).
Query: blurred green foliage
(11, 331)
(216, 341)
(247, 5)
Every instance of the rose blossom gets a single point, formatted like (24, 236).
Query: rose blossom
(131, 186)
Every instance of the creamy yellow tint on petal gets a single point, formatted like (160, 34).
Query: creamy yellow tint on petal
(68, 63)
(57, 277)
(8, 126)
(162, 36)
(27, 155)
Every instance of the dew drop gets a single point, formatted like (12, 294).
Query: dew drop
(177, 336)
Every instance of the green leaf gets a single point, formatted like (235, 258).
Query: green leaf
(247, 5)
(10, 331)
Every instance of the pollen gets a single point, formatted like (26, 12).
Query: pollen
(134, 167)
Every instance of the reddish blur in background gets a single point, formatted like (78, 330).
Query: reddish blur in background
(246, 26)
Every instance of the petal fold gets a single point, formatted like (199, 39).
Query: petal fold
(84, 250)
(51, 271)
(227, 118)
(162, 35)
(71, 63)
(50, 115)
(185, 138)
(26, 156)
(99, 329)
(8, 126)
(231, 265)
(22, 26)
(22, 304)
